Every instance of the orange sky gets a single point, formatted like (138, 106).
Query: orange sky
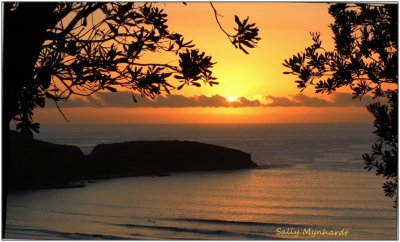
(284, 30)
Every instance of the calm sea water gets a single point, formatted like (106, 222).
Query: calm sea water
(311, 178)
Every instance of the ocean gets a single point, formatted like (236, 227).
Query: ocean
(310, 184)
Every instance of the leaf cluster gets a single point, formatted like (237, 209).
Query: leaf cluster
(384, 155)
(100, 46)
(365, 59)
(194, 66)
(247, 34)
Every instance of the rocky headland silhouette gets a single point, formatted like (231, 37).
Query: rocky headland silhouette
(39, 164)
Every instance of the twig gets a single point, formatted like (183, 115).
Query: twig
(219, 24)
(61, 112)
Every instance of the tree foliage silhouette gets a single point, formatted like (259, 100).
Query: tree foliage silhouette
(54, 50)
(365, 59)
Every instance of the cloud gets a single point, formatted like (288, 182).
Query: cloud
(344, 99)
(297, 100)
(125, 100)
(336, 100)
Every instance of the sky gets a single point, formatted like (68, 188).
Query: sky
(252, 89)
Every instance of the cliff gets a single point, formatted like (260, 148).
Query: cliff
(35, 163)
(149, 157)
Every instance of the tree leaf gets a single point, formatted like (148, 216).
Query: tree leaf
(112, 28)
(237, 20)
(181, 86)
(112, 89)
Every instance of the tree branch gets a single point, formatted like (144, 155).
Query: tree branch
(61, 112)
(79, 16)
(219, 24)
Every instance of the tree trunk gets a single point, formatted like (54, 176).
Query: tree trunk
(24, 33)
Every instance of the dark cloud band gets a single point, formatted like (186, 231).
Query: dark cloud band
(337, 100)
(125, 100)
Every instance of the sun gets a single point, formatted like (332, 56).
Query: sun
(231, 99)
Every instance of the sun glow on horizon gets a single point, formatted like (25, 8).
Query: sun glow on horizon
(252, 88)
(231, 98)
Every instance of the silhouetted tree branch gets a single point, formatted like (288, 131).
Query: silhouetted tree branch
(80, 48)
(365, 59)
(246, 33)
(53, 50)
